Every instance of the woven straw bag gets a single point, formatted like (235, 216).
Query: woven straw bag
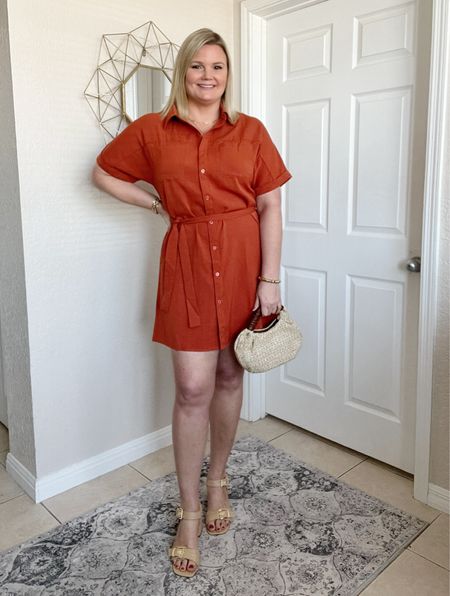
(259, 350)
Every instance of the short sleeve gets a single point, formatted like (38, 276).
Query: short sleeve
(126, 157)
(270, 171)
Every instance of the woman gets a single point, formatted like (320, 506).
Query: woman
(218, 176)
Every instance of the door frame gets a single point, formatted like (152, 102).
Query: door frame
(254, 16)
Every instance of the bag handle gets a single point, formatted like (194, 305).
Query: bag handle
(256, 316)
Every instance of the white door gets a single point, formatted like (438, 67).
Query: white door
(347, 87)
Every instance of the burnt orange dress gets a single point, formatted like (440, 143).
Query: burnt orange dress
(208, 184)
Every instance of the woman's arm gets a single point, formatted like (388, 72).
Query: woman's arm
(269, 209)
(122, 190)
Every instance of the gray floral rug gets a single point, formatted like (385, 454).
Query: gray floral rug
(297, 532)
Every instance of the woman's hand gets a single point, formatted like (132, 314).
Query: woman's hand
(268, 297)
(160, 209)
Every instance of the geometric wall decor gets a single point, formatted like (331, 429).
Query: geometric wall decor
(120, 55)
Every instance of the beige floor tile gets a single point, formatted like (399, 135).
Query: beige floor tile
(267, 428)
(21, 519)
(4, 438)
(317, 452)
(8, 488)
(433, 542)
(410, 575)
(90, 495)
(156, 464)
(397, 490)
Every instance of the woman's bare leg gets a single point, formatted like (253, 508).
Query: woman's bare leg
(224, 415)
(195, 376)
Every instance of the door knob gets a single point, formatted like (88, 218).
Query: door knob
(413, 264)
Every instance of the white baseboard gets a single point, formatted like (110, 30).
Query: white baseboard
(48, 486)
(24, 478)
(58, 482)
(439, 498)
(254, 402)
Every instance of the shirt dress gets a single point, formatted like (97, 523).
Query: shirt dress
(211, 254)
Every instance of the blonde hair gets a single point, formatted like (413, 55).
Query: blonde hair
(190, 46)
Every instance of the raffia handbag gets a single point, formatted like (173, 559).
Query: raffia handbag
(260, 350)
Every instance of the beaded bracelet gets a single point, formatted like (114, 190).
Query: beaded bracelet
(268, 280)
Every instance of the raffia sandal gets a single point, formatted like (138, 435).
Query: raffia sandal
(185, 552)
(222, 513)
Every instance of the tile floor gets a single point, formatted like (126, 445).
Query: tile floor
(421, 570)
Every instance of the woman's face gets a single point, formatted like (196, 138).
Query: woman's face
(206, 76)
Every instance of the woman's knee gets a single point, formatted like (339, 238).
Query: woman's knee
(194, 392)
(194, 378)
(229, 377)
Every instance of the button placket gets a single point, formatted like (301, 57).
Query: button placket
(205, 187)
(213, 230)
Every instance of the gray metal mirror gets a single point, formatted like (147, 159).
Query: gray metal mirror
(132, 78)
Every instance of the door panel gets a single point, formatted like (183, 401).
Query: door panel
(346, 104)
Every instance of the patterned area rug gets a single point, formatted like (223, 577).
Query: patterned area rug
(297, 532)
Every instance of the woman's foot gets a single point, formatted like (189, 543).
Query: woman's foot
(187, 536)
(218, 502)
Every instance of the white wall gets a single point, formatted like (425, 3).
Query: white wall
(15, 369)
(440, 415)
(3, 400)
(91, 262)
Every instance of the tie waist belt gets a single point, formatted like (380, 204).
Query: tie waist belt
(177, 244)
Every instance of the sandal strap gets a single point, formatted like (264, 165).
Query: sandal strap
(182, 514)
(222, 482)
(185, 552)
(221, 513)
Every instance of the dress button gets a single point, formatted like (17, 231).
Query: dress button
(211, 221)
(207, 197)
(203, 170)
(214, 247)
(219, 302)
(217, 274)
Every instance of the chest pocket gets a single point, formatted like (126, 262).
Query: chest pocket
(237, 158)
